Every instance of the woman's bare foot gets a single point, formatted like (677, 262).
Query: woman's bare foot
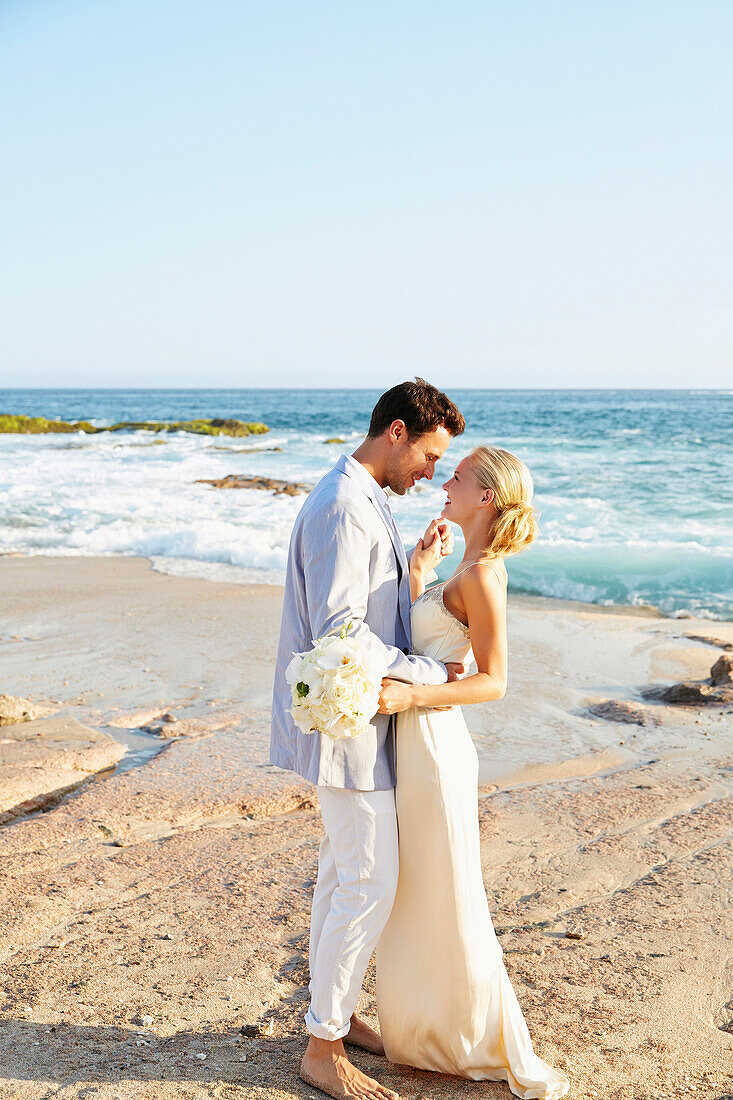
(361, 1035)
(326, 1066)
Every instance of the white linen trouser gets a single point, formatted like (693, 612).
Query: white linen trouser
(355, 889)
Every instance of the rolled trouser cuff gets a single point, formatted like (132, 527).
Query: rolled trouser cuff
(323, 1031)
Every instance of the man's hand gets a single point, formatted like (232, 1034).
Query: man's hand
(442, 529)
(395, 696)
(446, 537)
(436, 543)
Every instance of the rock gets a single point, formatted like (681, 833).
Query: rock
(686, 694)
(39, 425)
(696, 694)
(719, 642)
(335, 439)
(13, 709)
(119, 446)
(167, 717)
(45, 758)
(146, 1020)
(238, 481)
(250, 1030)
(617, 710)
(137, 719)
(722, 670)
(574, 934)
(235, 450)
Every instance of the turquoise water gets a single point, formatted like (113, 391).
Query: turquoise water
(635, 487)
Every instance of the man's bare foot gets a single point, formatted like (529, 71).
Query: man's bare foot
(326, 1066)
(361, 1035)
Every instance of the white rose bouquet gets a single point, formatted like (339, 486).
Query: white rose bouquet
(335, 686)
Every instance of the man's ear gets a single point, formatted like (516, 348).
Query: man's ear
(397, 431)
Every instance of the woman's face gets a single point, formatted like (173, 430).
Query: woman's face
(465, 494)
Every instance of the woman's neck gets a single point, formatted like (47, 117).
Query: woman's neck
(477, 542)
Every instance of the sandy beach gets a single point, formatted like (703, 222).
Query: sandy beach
(157, 873)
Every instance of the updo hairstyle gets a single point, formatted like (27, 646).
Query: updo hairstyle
(515, 526)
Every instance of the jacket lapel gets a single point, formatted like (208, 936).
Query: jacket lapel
(403, 580)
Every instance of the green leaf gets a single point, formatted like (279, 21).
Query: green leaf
(345, 629)
(302, 689)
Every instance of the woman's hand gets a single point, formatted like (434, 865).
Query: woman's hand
(436, 543)
(395, 696)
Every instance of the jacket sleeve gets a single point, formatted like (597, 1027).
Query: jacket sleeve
(336, 553)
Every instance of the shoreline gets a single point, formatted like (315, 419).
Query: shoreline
(557, 648)
(531, 599)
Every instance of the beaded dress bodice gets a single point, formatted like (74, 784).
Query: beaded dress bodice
(436, 632)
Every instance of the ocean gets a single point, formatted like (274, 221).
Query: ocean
(634, 487)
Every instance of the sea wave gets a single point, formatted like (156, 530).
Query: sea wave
(635, 489)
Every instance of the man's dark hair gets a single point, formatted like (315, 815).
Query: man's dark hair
(421, 406)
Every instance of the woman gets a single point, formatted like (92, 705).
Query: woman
(445, 1001)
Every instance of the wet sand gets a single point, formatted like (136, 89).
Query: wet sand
(157, 909)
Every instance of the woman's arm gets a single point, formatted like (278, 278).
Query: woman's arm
(484, 597)
(436, 543)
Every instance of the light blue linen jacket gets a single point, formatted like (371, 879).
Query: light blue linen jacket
(346, 561)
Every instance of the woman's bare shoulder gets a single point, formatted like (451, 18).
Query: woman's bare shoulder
(482, 573)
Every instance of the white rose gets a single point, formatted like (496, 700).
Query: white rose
(342, 727)
(372, 667)
(321, 713)
(292, 672)
(363, 688)
(302, 719)
(339, 691)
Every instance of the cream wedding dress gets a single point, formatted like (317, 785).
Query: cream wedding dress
(444, 999)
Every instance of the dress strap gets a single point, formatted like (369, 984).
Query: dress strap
(476, 563)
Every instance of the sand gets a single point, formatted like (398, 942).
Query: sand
(162, 905)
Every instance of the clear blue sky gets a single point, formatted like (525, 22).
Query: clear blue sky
(228, 193)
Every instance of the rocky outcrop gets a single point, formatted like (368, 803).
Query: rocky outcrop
(239, 481)
(718, 690)
(13, 710)
(721, 643)
(39, 425)
(693, 694)
(237, 450)
(41, 760)
(617, 710)
(722, 670)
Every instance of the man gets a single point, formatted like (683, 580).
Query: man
(346, 563)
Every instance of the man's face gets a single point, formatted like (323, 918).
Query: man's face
(410, 460)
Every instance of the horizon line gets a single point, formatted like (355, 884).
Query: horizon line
(367, 389)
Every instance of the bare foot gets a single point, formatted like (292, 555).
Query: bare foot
(326, 1066)
(361, 1035)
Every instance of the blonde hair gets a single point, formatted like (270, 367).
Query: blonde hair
(515, 526)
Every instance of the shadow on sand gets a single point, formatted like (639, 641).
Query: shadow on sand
(68, 1054)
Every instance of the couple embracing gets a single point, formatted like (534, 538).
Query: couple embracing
(444, 999)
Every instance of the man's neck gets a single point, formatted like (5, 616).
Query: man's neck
(368, 455)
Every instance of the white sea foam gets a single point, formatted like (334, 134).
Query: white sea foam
(626, 516)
